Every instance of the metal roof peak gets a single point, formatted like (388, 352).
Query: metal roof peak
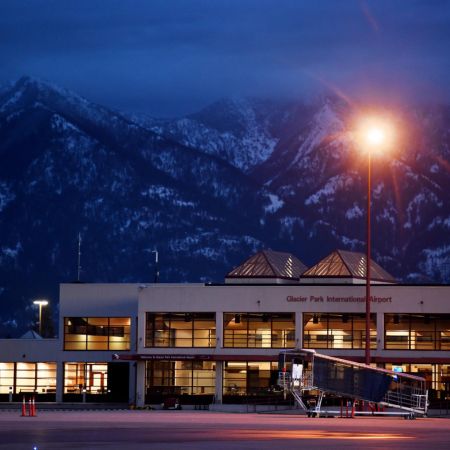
(269, 263)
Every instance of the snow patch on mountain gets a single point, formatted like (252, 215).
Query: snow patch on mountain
(59, 124)
(355, 212)
(378, 190)
(275, 204)
(6, 195)
(284, 191)
(160, 193)
(10, 323)
(352, 243)
(439, 222)
(243, 148)
(325, 124)
(13, 99)
(434, 168)
(288, 223)
(435, 262)
(415, 206)
(388, 213)
(196, 244)
(333, 185)
(9, 254)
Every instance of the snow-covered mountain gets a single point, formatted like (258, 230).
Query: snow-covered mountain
(206, 191)
(243, 132)
(71, 166)
(318, 181)
(321, 176)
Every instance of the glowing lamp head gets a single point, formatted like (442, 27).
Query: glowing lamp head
(40, 302)
(374, 134)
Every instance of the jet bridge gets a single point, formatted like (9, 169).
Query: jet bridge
(304, 371)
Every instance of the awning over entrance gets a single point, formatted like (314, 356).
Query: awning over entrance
(271, 357)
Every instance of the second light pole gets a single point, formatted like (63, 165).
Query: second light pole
(40, 303)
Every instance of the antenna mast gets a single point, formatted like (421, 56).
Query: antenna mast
(79, 258)
(156, 266)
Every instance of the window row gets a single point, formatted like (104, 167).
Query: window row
(243, 378)
(97, 333)
(180, 330)
(186, 378)
(260, 330)
(80, 377)
(417, 332)
(277, 330)
(346, 331)
(27, 377)
(174, 377)
(40, 378)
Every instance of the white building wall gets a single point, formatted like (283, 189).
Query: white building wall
(134, 300)
(298, 299)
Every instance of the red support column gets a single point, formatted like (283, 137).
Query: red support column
(368, 257)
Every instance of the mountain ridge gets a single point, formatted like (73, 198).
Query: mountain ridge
(132, 185)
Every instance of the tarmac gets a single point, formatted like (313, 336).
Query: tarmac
(206, 430)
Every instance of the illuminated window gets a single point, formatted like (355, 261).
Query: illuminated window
(6, 377)
(180, 330)
(343, 331)
(437, 376)
(242, 378)
(259, 330)
(91, 377)
(97, 333)
(417, 331)
(180, 378)
(28, 377)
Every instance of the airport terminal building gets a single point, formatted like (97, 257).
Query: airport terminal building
(219, 343)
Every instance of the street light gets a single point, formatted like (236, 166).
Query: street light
(374, 135)
(40, 303)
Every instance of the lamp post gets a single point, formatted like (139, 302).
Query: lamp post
(40, 303)
(368, 237)
(374, 135)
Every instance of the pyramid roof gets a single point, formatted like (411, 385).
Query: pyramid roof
(269, 264)
(346, 264)
(31, 334)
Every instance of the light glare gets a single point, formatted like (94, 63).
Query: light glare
(374, 134)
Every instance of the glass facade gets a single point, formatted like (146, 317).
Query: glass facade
(28, 377)
(259, 330)
(341, 331)
(417, 331)
(242, 378)
(186, 377)
(436, 375)
(93, 377)
(179, 378)
(180, 330)
(97, 333)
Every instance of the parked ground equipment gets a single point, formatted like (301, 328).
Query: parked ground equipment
(307, 374)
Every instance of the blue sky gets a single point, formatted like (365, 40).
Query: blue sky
(171, 57)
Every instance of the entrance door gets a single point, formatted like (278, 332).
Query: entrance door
(118, 381)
